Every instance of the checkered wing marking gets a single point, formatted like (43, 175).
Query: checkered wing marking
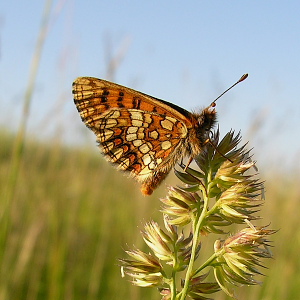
(137, 132)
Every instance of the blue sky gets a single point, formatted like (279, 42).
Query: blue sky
(186, 52)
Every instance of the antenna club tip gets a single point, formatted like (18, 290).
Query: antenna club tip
(213, 104)
(243, 77)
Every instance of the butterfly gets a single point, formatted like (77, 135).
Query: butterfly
(141, 134)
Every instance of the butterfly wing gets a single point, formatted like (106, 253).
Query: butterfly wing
(137, 132)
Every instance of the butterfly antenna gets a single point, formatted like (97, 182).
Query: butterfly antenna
(213, 104)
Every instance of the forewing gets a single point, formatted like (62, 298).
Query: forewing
(137, 132)
(94, 96)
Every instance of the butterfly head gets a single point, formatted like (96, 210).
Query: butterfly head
(207, 118)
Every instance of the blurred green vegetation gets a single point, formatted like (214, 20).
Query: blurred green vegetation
(72, 216)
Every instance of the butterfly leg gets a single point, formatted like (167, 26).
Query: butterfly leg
(188, 163)
(208, 141)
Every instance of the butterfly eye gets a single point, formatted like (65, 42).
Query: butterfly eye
(201, 119)
(207, 119)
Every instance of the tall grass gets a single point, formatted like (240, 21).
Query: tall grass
(73, 215)
(69, 213)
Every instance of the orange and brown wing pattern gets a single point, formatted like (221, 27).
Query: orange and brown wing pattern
(137, 141)
(137, 132)
(94, 96)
